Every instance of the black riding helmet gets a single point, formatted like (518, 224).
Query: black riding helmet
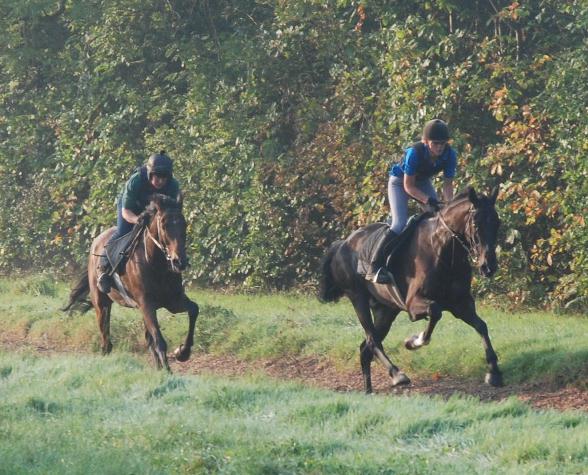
(436, 129)
(159, 164)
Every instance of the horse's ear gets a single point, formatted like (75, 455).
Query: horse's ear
(494, 194)
(473, 197)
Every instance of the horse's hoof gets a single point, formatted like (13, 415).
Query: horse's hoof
(494, 379)
(409, 343)
(415, 342)
(400, 379)
(182, 354)
(107, 349)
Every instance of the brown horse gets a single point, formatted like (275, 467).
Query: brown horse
(432, 272)
(151, 279)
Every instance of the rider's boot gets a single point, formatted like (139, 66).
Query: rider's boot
(378, 273)
(104, 278)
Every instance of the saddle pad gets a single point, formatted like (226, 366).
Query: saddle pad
(116, 250)
(392, 248)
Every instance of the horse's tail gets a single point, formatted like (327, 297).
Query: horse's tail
(328, 289)
(77, 296)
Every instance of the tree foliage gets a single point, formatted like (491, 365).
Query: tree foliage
(283, 118)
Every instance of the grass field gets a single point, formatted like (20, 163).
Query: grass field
(88, 414)
(530, 346)
(79, 412)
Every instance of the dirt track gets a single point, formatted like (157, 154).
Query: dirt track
(315, 372)
(321, 373)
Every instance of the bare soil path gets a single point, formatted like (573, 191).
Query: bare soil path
(317, 372)
(321, 373)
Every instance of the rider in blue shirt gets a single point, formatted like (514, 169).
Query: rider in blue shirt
(411, 178)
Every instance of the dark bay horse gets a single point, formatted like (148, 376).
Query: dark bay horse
(151, 280)
(432, 272)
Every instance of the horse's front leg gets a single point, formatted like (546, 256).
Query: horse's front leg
(155, 340)
(420, 308)
(466, 311)
(182, 352)
(151, 348)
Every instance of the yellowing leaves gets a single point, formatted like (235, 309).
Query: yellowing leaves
(496, 169)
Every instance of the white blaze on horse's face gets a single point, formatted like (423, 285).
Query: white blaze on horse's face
(486, 231)
(483, 232)
(173, 236)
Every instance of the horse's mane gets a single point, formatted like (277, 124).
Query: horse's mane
(458, 199)
(465, 196)
(162, 201)
(461, 195)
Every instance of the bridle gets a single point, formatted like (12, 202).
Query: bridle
(160, 245)
(469, 240)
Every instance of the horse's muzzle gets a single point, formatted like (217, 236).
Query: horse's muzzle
(178, 265)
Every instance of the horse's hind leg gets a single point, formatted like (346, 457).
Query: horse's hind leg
(182, 353)
(365, 358)
(103, 307)
(466, 311)
(383, 318)
(373, 343)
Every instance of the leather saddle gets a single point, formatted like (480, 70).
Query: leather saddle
(119, 250)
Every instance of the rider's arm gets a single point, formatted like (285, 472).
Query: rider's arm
(448, 175)
(129, 216)
(447, 189)
(130, 198)
(410, 166)
(411, 188)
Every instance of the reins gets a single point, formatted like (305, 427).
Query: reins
(456, 237)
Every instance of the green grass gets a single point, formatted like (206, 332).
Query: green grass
(88, 414)
(530, 346)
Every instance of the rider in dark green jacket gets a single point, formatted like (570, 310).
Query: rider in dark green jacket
(156, 176)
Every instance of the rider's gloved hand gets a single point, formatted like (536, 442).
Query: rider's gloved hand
(143, 219)
(433, 203)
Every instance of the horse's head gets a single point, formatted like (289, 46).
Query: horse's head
(167, 228)
(482, 229)
(475, 218)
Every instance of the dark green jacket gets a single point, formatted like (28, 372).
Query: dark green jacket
(135, 195)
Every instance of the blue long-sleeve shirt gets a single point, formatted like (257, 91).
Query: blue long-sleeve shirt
(422, 166)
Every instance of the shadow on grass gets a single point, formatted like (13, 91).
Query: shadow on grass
(555, 367)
